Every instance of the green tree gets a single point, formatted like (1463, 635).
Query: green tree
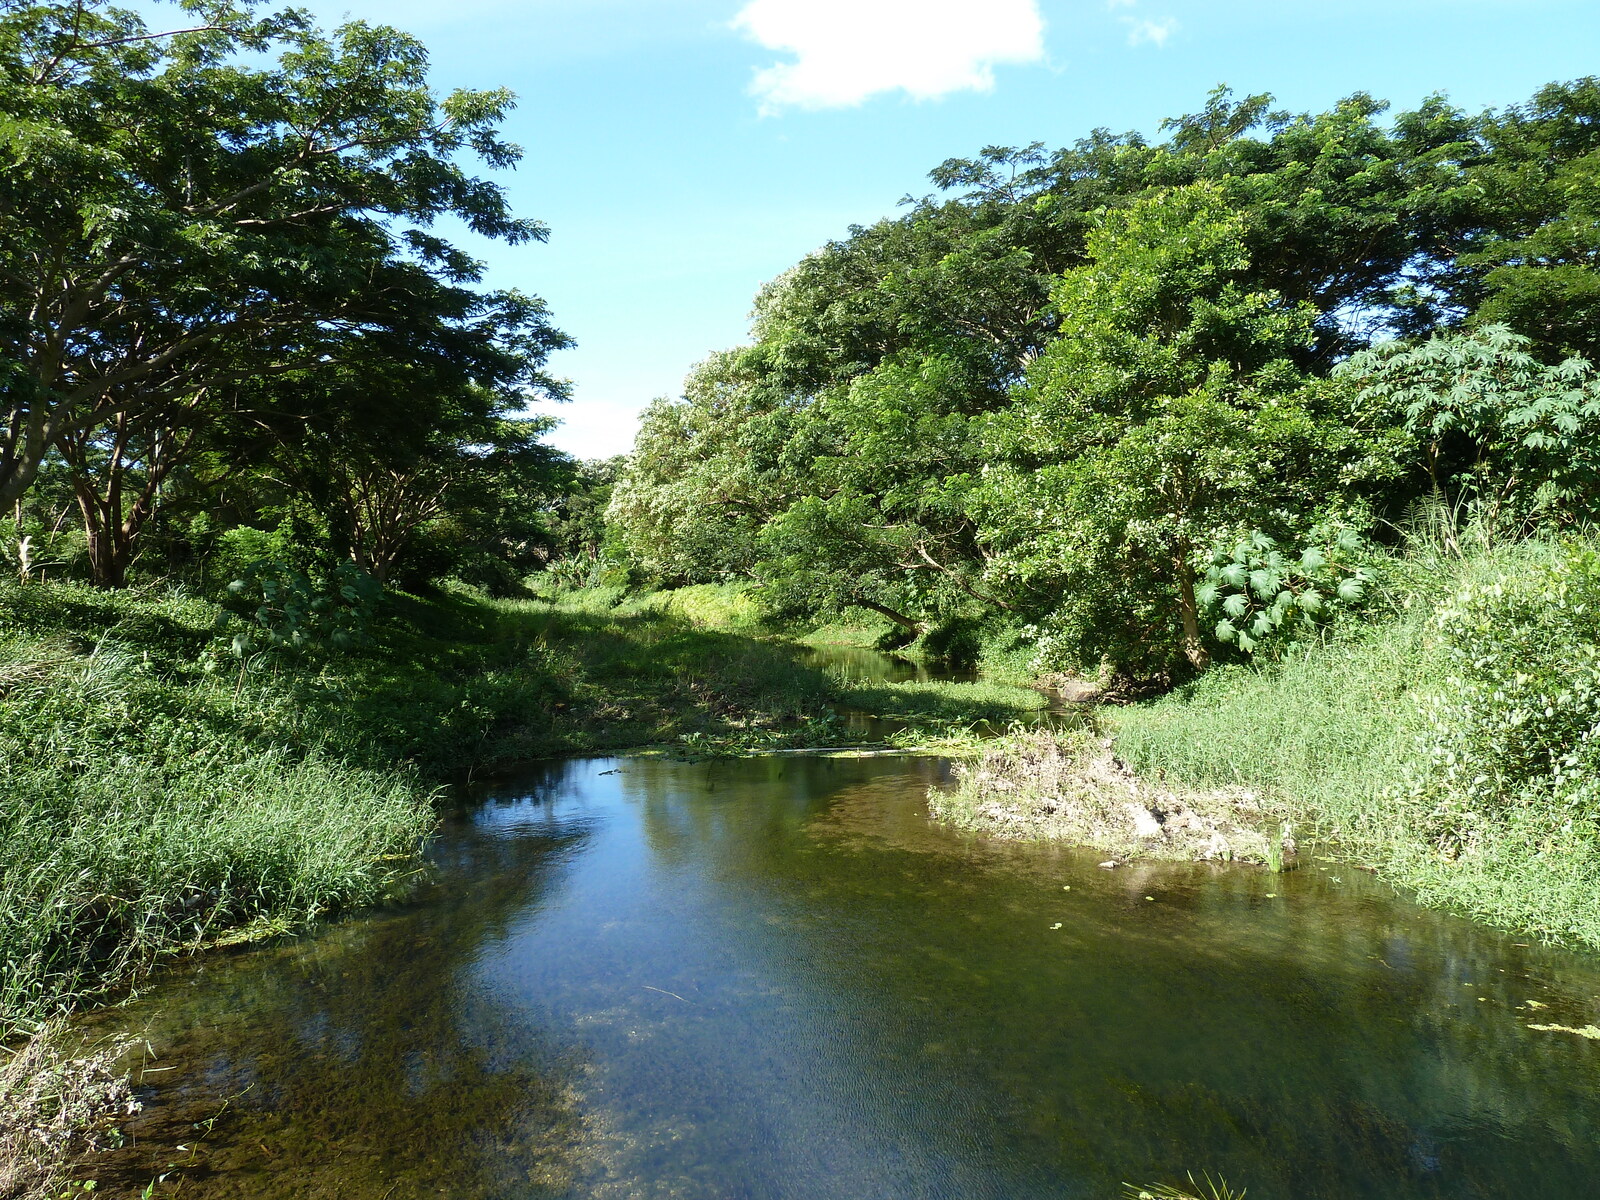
(1538, 256)
(402, 447)
(177, 206)
(1168, 411)
(709, 470)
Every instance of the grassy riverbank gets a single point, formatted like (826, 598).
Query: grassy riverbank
(157, 794)
(1448, 740)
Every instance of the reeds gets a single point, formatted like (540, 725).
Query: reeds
(1206, 1188)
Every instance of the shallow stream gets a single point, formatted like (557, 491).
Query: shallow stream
(773, 977)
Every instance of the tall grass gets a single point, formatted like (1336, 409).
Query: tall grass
(1363, 737)
(108, 871)
(136, 821)
(1328, 727)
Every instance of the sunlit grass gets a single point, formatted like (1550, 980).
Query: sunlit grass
(1333, 734)
(1206, 1188)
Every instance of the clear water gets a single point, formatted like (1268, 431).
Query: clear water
(775, 978)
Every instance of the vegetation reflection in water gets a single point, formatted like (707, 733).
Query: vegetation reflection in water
(773, 977)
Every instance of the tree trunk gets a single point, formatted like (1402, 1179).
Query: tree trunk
(112, 525)
(1194, 648)
(108, 557)
(110, 542)
(898, 618)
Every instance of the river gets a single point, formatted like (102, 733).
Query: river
(774, 977)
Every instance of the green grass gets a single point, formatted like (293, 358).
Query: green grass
(148, 805)
(1327, 728)
(663, 669)
(156, 794)
(1339, 735)
(861, 635)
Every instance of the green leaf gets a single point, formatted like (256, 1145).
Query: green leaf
(1264, 584)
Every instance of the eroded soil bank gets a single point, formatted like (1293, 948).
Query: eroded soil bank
(1069, 786)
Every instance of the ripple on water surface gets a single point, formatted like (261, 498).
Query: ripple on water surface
(774, 978)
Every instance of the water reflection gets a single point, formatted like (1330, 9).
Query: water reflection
(872, 666)
(365, 1061)
(773, 977)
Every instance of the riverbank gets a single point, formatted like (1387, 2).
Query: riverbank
(160, 795)
(1070, 787)
(1447, 741)
(157, 793)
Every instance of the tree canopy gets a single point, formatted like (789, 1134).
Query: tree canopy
(1057, 389)
(209, 230)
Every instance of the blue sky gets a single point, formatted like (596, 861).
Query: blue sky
(685, 151)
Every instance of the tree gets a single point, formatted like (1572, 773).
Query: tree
(1060, 382)
(120, 467)
(388, 436)
(709, 470)
(1168, 412)
(1539, 258)
(178, 206)
(582, 540)
(887, 527)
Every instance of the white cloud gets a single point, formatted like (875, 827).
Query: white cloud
(1143, 31)
(847, 50)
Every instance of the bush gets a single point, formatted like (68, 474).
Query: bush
(1513, 723)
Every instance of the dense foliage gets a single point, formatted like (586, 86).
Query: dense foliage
(224, 304)
(1050, 395)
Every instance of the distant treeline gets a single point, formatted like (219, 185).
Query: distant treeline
(1148, 401)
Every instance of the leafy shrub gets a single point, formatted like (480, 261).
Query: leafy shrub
(1507, 437)
(956, 640)
(283, 608)
(1512, 727)
(240, 550)
(1260, 599)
